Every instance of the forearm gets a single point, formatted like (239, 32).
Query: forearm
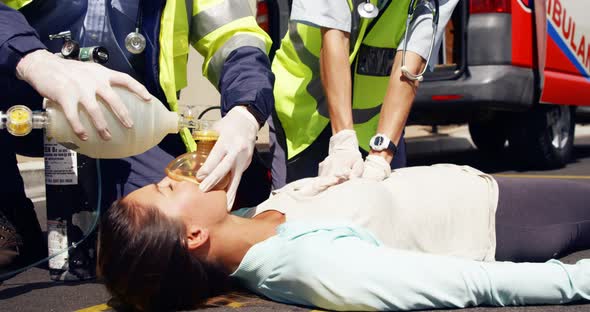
(335, 74)
(398, 100)
(551, 282)
(247, 80)
(431, 281)
(424, 281)
(17, 39)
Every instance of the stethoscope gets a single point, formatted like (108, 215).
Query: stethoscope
(135, 42)
(369, 10)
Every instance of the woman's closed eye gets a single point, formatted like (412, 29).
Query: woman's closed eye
(165, 188)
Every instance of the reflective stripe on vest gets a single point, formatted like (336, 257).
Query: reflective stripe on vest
(220, 27)
(237, 41)
(298, 84)
(215, 28)
(205, 22)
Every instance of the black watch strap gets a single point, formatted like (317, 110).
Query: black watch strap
(257, 115)
(392, 147)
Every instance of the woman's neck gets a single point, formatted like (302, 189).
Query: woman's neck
(231, 239)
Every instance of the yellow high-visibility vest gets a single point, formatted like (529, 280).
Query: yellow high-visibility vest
(299, 98)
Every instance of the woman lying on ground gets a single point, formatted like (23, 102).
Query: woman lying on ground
(427, 237)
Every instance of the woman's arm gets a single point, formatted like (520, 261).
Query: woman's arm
(344, 158)
(402, 91)
(340, 268)
(398, 100)
(335, 74)
(334, 19)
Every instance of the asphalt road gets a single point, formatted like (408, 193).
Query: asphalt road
(34, 291)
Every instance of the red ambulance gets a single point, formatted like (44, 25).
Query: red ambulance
(515, 70)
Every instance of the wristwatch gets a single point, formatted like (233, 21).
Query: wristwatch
(380, 142)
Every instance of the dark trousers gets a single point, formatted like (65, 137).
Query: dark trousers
(540, 219)
(14, 204)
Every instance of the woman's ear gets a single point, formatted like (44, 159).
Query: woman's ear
(196, 237)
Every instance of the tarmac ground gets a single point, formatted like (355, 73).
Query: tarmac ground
(32, 290)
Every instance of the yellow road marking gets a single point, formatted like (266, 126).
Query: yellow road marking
(235, 304)
(533, 176)
(96, 308)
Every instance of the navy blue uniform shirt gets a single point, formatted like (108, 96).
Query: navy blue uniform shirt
(17, 38)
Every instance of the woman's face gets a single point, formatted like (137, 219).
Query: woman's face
(183, 200)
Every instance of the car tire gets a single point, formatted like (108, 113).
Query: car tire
(489, 136)
(544, 137)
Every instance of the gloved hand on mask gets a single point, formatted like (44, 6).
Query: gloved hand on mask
(232, 153)
(344, 158)
(72, 83)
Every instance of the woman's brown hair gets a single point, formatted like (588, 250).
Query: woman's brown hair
(144, 261)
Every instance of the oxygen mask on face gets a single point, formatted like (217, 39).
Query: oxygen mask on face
(185, 166)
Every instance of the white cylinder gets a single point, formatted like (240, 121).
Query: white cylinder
(151, 123)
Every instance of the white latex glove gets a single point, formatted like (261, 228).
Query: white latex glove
(70, 83)
(313, 186)
(344, 158)
(376, 168)
(232, 153)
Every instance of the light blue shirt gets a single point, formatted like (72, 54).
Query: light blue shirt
(341, 267)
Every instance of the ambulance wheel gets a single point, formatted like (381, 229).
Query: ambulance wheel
(488, 136)
(544, 137)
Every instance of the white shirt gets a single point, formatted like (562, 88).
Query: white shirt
(418, 208)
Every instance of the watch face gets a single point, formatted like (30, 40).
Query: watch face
(381, 142)
(378, 141)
